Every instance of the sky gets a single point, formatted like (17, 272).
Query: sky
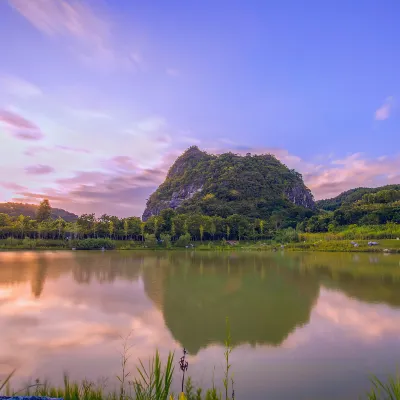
(98, 98)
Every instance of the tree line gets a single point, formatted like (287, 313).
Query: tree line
(170, 226)
(193, 226)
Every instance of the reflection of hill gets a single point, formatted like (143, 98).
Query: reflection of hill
(263, 302)
(265, 295)
(365, 277)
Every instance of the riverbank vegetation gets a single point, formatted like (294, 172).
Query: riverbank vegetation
(326, 230)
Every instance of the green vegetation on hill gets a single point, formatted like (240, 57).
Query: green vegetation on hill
(254, 186)
(30, 210)
(351, 196)
(361, 206)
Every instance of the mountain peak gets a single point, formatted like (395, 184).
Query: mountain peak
(228, 184)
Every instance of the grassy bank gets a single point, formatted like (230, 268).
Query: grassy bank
(313, 242)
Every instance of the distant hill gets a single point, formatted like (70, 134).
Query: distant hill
(29, 210)
(351, 196)
(253, 185)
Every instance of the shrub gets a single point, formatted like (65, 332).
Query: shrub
(183, 241)
(29, 243)
(166, 239)
(150, 240)
(94, 244)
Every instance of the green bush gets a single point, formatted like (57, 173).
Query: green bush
(166, 239)
(183, 241)
(95, 244)
(29, 243)
(150, 240)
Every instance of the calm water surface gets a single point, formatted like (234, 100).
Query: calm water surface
(304, 326)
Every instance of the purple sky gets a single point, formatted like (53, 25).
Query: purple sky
(97, 98)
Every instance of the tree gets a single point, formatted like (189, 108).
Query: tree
(44, 211)
(142, 226)
(213, 229)
(166, 240)
(21, 225)
(60, 226)
(87, 224)
(111, 228)
(126, 228)
(261, 227)
(201, 229)
(173, 230)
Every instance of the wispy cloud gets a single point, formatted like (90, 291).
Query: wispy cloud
(39, 169)
(90, 114)
(19, 87)
(151, 124)
(385, 110)
(72, 149)
(89, 31)
(174, 72)
(19, 127)
(12, 186)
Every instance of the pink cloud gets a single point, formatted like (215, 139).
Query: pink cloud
(20, 127)
(72, 149)
(34, 150)
(384, 111)
(12, 186)
(351, 172)
(39, 169)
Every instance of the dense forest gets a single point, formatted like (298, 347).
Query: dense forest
(362, 206)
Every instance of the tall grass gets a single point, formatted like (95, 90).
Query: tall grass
(155, 381)
(389, 390)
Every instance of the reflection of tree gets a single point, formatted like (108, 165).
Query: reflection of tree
(264, 302)
(39, 275)
(106, 267)
(370, 279)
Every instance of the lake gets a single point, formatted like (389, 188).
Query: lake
(303, 325)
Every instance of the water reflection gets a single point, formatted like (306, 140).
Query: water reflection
(288, 313)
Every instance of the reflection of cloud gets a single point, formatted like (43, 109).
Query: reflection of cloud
(366, 321)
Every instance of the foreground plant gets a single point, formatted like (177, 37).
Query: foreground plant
(183, 365)
(385, 391)
(6, 381)
(154, 382)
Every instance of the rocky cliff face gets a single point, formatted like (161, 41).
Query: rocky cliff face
(228, 183)
(300, 195)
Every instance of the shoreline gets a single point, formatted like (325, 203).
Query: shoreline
(268, 249)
